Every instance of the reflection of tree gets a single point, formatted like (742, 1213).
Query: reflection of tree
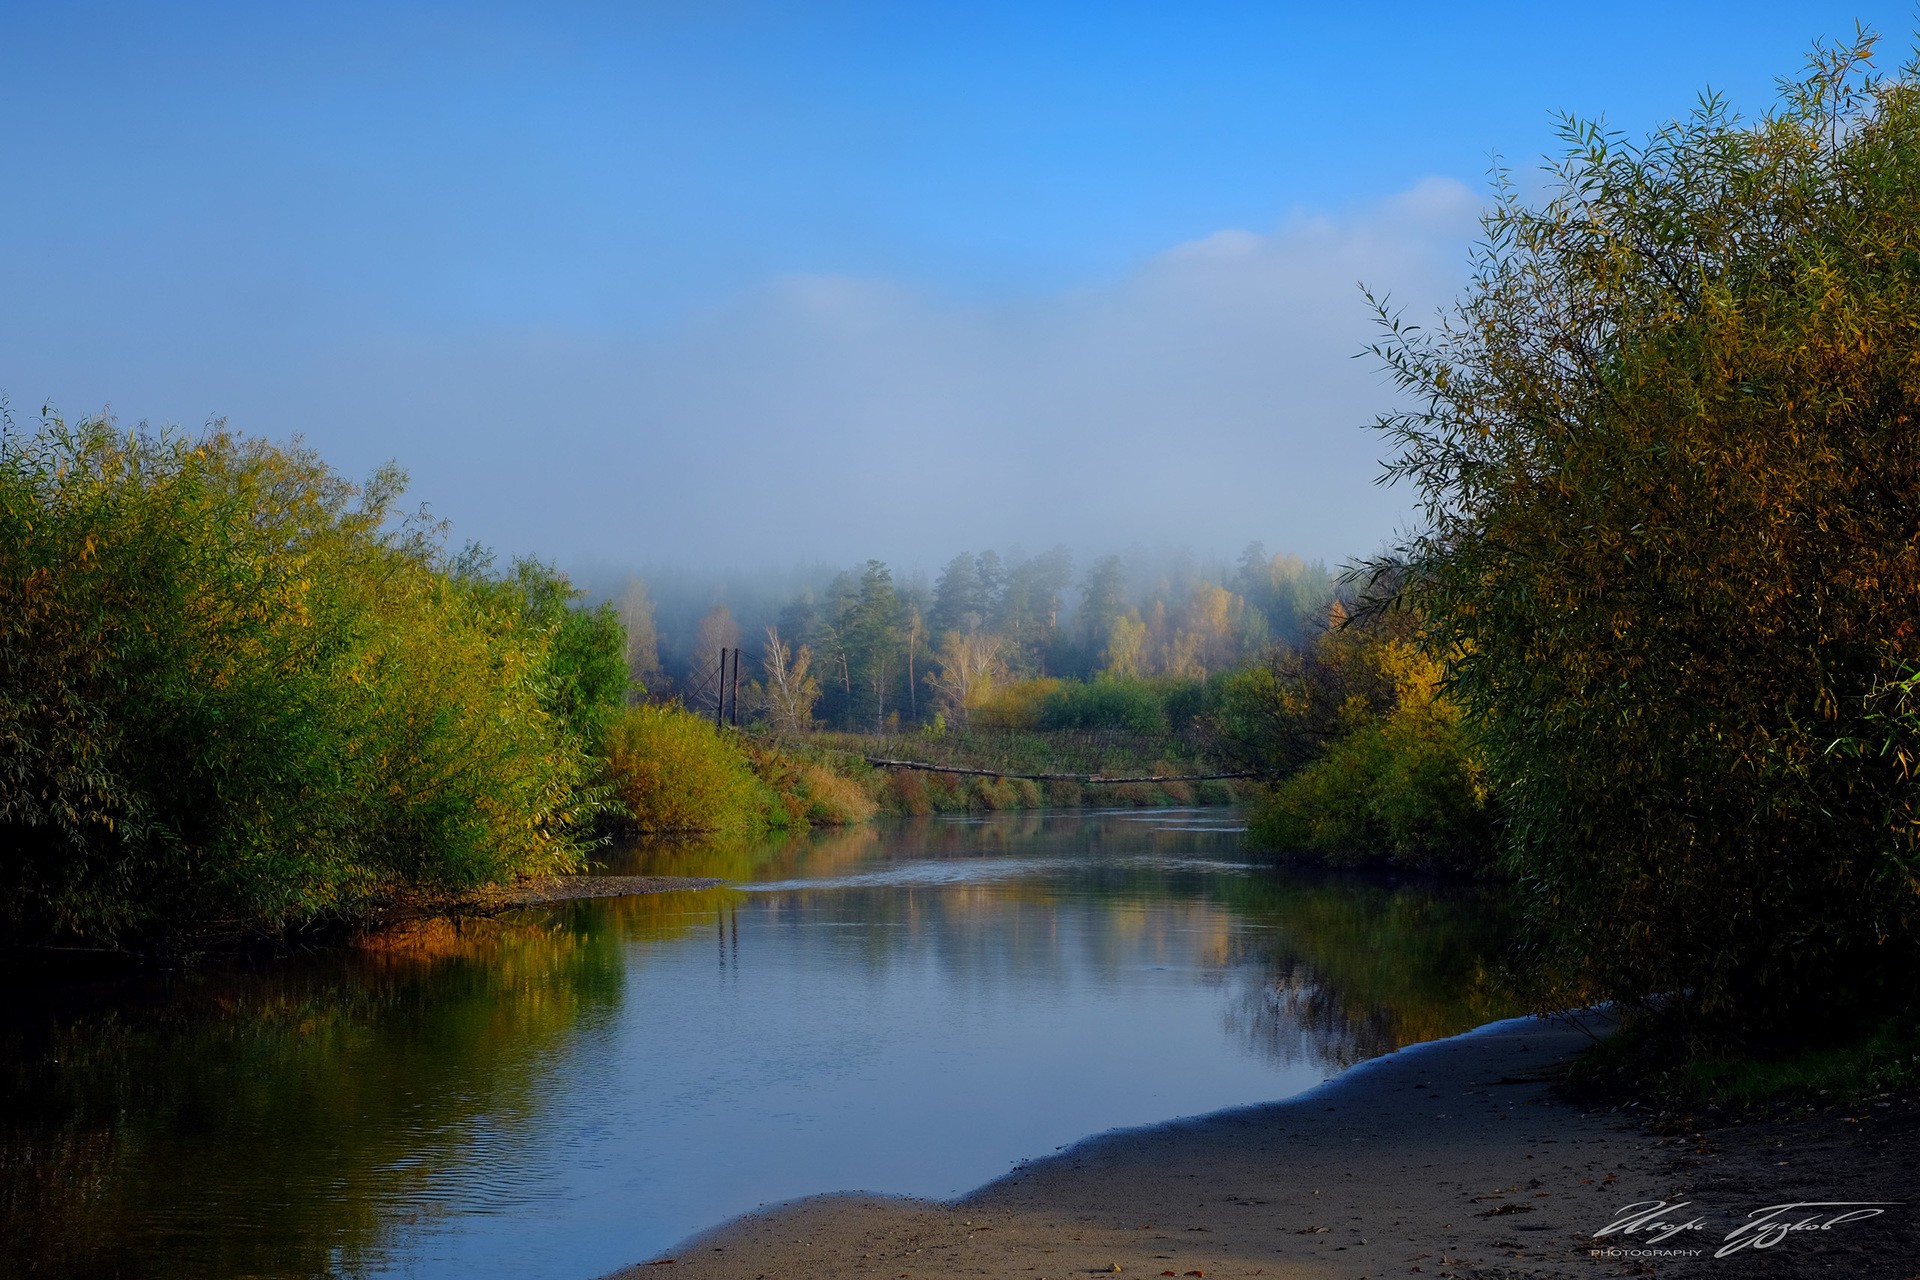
(1331, 967)
(817, 853)
(1285, 1015)
(1319, 967)
(1398, 963)
(281, 1123)
(301, 1120)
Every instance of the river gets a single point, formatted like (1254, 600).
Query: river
(909, 1007)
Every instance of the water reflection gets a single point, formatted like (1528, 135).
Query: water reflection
(290, 1120)
(561, 1091)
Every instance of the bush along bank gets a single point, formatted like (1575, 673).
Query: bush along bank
(672, 771)
(1372, 764)
(1668, 551)
(917, 792)
(240, 695)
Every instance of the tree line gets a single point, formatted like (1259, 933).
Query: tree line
(869, 652)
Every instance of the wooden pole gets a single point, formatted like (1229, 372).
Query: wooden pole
(720, 692)
(736, 688)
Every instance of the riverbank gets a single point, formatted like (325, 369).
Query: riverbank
(1003, 769)
(539, 891)
(1454, 1158)
(534, 891)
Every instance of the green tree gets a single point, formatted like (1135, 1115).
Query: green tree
(587, 673)
(869, 630)
(1103, 600)
(1285, 592)
(959, 603)
(1027, 610)
(992, 573)
(1667, 453)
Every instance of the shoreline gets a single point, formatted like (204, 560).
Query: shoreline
(536, 892)
(543, 890)
(491, 900)
(1454, 1157)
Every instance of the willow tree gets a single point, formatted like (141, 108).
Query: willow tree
(239, 694)
(1667, 451)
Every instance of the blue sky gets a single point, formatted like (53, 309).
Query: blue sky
(695, 282)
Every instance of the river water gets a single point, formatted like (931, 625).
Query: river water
(910, 1007)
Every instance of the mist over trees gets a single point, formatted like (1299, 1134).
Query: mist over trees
(869, 649)
(643, 641)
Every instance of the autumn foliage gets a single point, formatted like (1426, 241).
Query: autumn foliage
(237, 693)
(1669, 455)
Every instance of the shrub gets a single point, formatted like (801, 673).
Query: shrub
(907, 792)
(1665, 449)
(948, 794)
(1019, 705)
(1180, 793)
(1064, 793)
(996, 793)
(671, 770)
(1113, 703)
(833, 800)
(1375, 764)
(587, 678)
(1217, 791)
(233, 698)
(1404, 786)
(1183, 701)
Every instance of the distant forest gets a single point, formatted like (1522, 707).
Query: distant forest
(883, 651)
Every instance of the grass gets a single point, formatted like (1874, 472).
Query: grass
(1649, 1062)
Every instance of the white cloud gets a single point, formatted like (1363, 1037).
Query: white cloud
(1209, 397)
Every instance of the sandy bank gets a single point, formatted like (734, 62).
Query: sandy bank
(1447, 1159)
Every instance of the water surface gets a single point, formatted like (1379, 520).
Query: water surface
(909, 1008)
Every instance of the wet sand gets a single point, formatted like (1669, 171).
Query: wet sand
(1454, 1158)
